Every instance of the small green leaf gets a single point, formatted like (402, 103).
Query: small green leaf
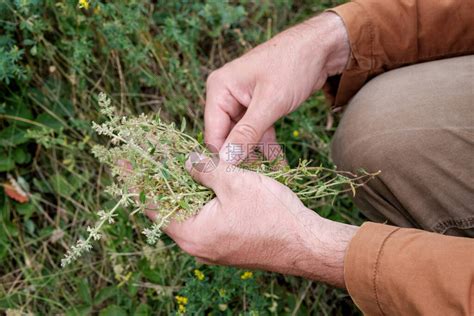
(26, 209)
(61, 185)
(104, 294)
(165, 173)
(200, 138)
(132, 285)
(12, 136)
(6, 163)
(81, 310)
(152, 148)
(85, 291)
(41, 185)
(30, 227)
(142, 197)
(184, 205)
(10, 229)
(113, 310)
(21, 156)
(18, 109)
(183, 125)
(28, 42)
(49, 121)
(142, 310)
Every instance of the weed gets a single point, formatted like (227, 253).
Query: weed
(158, 180)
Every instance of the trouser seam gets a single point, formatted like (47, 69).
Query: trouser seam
(460, 223)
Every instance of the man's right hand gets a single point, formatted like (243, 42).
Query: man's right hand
(248, 95)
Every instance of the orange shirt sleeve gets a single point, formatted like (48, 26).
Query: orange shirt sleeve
(401, 271)
(387, 34)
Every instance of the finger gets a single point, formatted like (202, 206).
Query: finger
(221, 108)
(270, 146)
(203, 261)
(152, 215)
(190, 233)
(126, 170)
(179, 230)
(125, 167)
(172, 229)
(249, 130)
(209, 171)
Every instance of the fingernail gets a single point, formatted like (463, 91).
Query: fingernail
(193, 159)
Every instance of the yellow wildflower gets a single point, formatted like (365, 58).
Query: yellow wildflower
(84, 4)
(246, 275)
(222, 307)
(296, 133)
(222, 292)
(181, 309)
(182, 300)
(199, 275)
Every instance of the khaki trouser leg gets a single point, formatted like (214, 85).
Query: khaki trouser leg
(416, 125)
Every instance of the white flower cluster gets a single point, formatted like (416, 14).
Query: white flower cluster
(153, 233)
(84, 245)
(107, 216)
(105, 107)
(76, 251)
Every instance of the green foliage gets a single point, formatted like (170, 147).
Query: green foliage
(152, 56)
(223, 290)
(9, 67)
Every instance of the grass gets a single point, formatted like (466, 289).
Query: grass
(149, 56)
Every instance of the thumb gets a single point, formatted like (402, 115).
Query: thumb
(209, 171)
(249, 130)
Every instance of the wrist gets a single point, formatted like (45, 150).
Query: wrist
(322, 249)
(331, 35)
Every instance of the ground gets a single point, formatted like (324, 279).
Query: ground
(55, 57)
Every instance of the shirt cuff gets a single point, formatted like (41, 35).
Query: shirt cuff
(361, 265)
(361, 33)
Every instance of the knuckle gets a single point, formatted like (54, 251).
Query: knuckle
(247, 131)
(278, 96)
(260, 179)
(214, 77)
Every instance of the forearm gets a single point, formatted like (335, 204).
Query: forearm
(314, 248)
(324, 245)
(330, 32)
(323, 42)
(321, 244)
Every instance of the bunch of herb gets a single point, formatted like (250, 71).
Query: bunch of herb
(158, 180)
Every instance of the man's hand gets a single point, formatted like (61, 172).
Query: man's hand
(246, 96)
(256, 222)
